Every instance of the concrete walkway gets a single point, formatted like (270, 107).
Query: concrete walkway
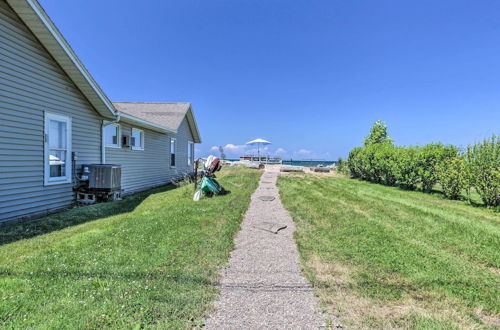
(263, 288)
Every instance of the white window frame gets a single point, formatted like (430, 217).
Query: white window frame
(48, 181)
(175, 152)
(190, 161)
(142, 139)
(118, 136)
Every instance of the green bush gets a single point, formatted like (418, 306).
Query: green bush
(483, 159)
(451, 176)
(353, 162)
(478, 168)
(386, 158)
(369, 167)
(406, 167)
(428, 158)
(341, 166)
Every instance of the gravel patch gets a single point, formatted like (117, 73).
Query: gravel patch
(262, 288)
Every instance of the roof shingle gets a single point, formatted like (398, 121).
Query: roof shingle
(167, 114)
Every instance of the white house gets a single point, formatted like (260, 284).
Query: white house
(53, 111)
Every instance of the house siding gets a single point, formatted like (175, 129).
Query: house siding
(31, 82)
(144, 169)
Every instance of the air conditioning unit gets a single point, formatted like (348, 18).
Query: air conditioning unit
(125, 141)
(104, 177)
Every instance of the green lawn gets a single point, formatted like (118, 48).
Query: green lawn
(383, 257)
(149, 260)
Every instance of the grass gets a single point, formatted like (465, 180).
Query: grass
(382, 257)
(150, 260)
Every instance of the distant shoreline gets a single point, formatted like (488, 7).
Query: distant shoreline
(306, 163)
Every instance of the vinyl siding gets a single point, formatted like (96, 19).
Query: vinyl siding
(31, 82)
(144, 169)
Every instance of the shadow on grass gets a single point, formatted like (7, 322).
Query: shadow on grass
(75, 216)
(153, 274)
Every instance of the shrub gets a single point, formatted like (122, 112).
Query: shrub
(381, 162)
(386, 158)
(451, 176)
(341, 166)
(368, 165)
(483, 159)
(353, 162)
(368, 162)
(429, 156)
(406, 167)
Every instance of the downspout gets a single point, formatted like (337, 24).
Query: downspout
(103, 141)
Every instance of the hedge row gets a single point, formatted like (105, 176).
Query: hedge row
(477, 167)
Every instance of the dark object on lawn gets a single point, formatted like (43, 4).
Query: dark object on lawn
(288, 168)
(266, 198)
(211, 187)
(270, 226)
(321, 169)
(208, 185)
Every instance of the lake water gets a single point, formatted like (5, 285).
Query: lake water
(308, 163)
(305, 163)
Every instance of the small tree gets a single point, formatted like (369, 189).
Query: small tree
(341, 166)
(378, 134)
(222, 154)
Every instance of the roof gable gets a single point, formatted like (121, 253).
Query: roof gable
(37, 20)
(161, 117)
(166, 114)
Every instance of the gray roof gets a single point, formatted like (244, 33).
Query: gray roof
(169, 115)
(164, 114)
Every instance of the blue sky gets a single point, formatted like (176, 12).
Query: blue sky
(310, 76)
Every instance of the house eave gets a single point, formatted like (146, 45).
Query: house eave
(193, 125)
(134, 121)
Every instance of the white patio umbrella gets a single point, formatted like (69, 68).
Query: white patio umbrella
(258, 142)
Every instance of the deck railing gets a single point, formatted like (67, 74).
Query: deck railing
(262, 159)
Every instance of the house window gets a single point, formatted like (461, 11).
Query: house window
(137, 139)
(111, 135)
(190, 153)
(57, 149)
(172, 152)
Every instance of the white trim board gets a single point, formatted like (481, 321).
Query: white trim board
(47, 180)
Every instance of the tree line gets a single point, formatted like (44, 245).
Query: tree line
(457, 171)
